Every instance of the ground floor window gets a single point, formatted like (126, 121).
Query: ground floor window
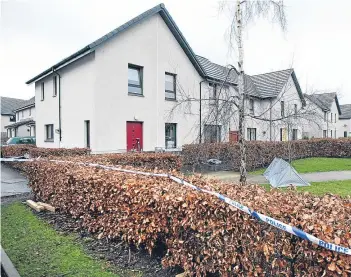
(170, 135)
(294, 134)
(49, 132)
(87, 133)
(212, 133)
(324, 133)
(251, 133)
(9, 133)
(331, 133)
(283, 134)
(345, 134)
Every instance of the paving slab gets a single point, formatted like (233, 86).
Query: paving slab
(12, 182)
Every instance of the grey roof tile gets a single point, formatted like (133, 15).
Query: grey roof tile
(26, 103)
(8, 105)
(323, 100)
(271, 84)
(345, 111)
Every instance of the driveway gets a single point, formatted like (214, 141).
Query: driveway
(231, 176)
(12, 182)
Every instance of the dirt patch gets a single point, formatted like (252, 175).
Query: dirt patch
(129, 261)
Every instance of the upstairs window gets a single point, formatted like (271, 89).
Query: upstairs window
(17, 114)
(22, 114)
(251, 106)
(325, 116)
(334, 118)
(295, 110)
(55, 89)
(170, 86)
(282, 112)
(331, 117)
(135, 80)
(213, 91)
(42, 92)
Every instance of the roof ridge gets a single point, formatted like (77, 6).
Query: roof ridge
(292, 69)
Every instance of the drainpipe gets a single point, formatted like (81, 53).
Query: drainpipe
(59, 104)
(200, 111)
(270, 121)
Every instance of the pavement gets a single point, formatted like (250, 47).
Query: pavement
(231, 176)
(12, 182)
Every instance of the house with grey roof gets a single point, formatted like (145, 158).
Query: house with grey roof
(24, 124)
(8, 116)
(119, 93)
(345, 120)
(327, 113)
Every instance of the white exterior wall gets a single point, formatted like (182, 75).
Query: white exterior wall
(344, 125)
(5, 120)
(76, 82)
(315, 127)
(152, 46)
(25, 114)
(95, 88)
(267, 109)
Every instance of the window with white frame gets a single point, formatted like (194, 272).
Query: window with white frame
(325, 133)
(49, 132)
(212, 91)
(251, 133)
(334, 118)
(170, 86)
(42, 91)
(295, 110)
(325, 116)
(294, 134)
(170, 135)
(135, 80)
(331, 117)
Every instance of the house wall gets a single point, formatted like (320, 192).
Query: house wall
(152, 46)
(25, 114)
(271, 109)
(344, 125)
(314, 127)
(5, 120)
(77, 88)
(22, 131)
(95, 88)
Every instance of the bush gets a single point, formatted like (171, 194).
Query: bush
(18, 150)
(261, 153)
(200, 232)
(58, 152)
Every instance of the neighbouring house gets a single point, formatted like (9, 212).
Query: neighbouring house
(345, 121)
(119, 93)
(8, 116)
(24, 124)
(327, 110)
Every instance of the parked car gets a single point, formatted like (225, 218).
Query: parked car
(20, 140)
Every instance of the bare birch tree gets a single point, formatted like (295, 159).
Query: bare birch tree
(243, 13)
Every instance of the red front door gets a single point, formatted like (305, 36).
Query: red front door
(134, 136)
(233, 136)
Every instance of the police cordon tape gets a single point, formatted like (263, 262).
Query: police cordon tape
(276, 223)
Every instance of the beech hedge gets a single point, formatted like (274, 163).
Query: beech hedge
(199, 232)
(261, 153)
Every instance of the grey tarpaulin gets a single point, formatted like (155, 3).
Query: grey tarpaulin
(281, 174)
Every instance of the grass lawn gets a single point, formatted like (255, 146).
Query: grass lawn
(38, 250)
(316, 165)
(342, 188)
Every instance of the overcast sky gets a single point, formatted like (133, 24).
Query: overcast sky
(35, 34)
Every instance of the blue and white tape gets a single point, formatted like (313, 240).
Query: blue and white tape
(276, 223)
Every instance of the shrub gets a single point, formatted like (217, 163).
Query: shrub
(261, 154)
(18, 150)
(58, 152)
(200, 232)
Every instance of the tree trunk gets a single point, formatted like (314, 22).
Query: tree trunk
(242, 145)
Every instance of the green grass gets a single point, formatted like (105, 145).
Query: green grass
(342, 188)
(38, 250)
(316, 165)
